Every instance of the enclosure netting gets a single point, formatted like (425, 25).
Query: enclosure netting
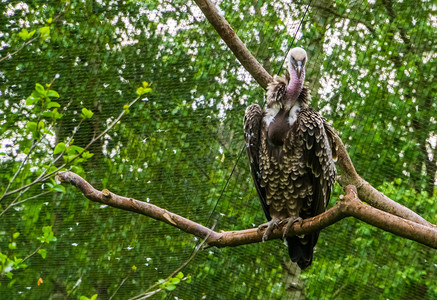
(371, 72)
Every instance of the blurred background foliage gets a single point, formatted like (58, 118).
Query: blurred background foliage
(69, 68)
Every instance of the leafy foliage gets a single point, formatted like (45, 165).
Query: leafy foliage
(371, 74)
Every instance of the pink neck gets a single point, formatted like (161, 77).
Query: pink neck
(294, 86)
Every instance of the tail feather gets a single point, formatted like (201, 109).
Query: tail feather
(300, 250)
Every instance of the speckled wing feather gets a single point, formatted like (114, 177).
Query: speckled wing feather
(315, 173)
(330, 132)
(317, 153)
(252, 131)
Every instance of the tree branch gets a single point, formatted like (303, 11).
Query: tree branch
(349, 205)
(367, 192)
(234, 43)
(349, 176)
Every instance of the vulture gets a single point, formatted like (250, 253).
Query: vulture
(291, 154)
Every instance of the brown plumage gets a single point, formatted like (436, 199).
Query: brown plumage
(290, 153)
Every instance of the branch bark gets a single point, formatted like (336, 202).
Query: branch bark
(349, 205)
(349, 176)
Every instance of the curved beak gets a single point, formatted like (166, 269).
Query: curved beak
(299, 69)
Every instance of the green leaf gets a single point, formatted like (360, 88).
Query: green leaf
(94, 297)
(53, 104)
(52, 93)
(31, 100)
(45, 32)
(43, 253)
(175, 280)
(31, 126)
(86, 113)
(180, 275)
(47, 114)
(15, 235)
(73, 149)
(59, 148)
(87, 154)
(59, 188)
(143, 89)
(25, 35)
(40, 89)
(55, 115)
(12, 245)
(41, 125)
(170, 287)
(47, 235)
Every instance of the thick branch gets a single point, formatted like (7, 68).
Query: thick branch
(367, 192)
(234, 43)
(349, 176)
(349, 206)
(144, 208)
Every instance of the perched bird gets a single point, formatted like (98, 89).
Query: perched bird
(291, 154)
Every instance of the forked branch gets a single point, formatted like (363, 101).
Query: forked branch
(350, 205)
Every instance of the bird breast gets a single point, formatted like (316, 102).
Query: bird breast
(278, 129)
(279, 122)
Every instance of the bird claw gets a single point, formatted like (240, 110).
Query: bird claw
(270, 226)
(290, 222)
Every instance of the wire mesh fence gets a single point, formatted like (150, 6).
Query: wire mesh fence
(371, 72)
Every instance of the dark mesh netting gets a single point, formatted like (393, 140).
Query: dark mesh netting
(69, 69)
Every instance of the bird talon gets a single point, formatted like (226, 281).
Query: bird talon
(269, 227)
(262, 227)
(290, 222)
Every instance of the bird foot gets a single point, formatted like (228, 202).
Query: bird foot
(290, 222)
(270, 226)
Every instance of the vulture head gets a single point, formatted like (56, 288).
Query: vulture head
(296, 61)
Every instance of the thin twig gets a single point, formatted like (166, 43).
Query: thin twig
(28, 42)
(30, 198)
(122, 282)
(32, 147)
(337, 292)
(75, 286)
(40, 179)
(196, 250)
(21, 48)
(75, 130)
(32, 254)
(13, 202)
(34, 143)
